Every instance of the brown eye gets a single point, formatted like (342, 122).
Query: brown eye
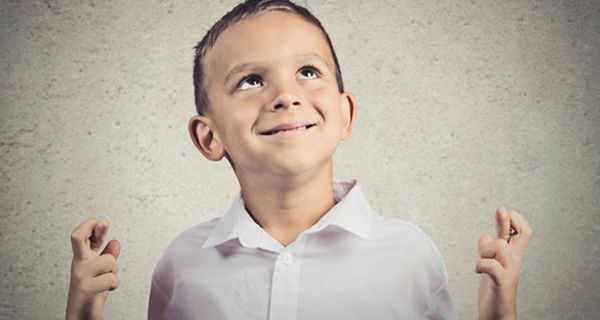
(307, 73)
(249, 82)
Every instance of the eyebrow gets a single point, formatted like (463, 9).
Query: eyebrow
(240, 68)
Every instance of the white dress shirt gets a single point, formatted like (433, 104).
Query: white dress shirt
(352, 264)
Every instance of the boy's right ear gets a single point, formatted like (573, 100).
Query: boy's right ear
(204, 138)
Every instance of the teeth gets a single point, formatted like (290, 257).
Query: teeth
(302, 127)
(296, 128)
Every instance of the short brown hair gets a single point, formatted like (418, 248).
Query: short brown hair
(244, 10)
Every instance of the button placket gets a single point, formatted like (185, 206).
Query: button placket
(287, 258)
(285, 286)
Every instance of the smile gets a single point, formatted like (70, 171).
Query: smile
(286, 128)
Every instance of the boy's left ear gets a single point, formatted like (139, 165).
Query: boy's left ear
(347, 106)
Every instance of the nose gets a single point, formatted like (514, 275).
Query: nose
(285, 97)
(285, 102)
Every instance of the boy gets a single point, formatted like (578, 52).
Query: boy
(294, 244)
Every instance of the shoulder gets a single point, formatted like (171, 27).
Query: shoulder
(187, 243)
(196, 235)
(406, 238)
(396, 229)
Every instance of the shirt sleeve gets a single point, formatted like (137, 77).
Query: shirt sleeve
(158, 303)
(440, 305)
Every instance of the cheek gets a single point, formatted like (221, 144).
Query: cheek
(242, 115)
(235, 126)
(328, 103)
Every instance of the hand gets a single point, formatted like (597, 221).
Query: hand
(92, 275)
(500, 264)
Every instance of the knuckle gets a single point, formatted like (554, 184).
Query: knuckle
(481, 263)
(497, 266)
(78, 276)
(75, 235)
(113, 282)
(116, 282)
(85, 288)
(110, 258)
(91, 219)
(480, 250)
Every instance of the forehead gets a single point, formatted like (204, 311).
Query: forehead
(269, 37)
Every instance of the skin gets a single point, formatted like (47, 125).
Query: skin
(499, 265)
(285, 179)
(264, 72)
(93, 275)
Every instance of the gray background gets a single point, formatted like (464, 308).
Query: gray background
(463, 106)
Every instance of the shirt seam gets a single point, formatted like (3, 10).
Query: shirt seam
(155, 284)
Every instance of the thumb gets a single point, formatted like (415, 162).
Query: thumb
(113, 247)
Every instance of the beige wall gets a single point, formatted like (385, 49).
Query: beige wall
(463, 106)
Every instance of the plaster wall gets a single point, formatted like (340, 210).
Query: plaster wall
(462, 106)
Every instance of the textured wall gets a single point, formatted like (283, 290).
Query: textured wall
(463, 106)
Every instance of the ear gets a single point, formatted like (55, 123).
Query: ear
(204, 138)
(348, 112)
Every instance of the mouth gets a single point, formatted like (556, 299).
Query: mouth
(286, 128)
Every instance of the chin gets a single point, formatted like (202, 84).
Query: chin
(300, 165)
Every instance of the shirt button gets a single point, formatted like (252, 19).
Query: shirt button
(287, 258)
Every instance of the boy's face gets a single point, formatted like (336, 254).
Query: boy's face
(274, 101)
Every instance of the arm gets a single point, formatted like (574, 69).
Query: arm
(500, 264)
(92, 275)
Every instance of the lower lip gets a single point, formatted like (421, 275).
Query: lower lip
(288, 133)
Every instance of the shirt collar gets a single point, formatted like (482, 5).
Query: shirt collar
(351, 213)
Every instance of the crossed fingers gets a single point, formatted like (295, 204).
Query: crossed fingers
(500, 258)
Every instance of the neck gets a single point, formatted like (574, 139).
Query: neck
(285, 206)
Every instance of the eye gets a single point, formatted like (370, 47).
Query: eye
(249, 82)
(308, 72)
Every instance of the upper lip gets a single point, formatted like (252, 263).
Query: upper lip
(286, 126)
